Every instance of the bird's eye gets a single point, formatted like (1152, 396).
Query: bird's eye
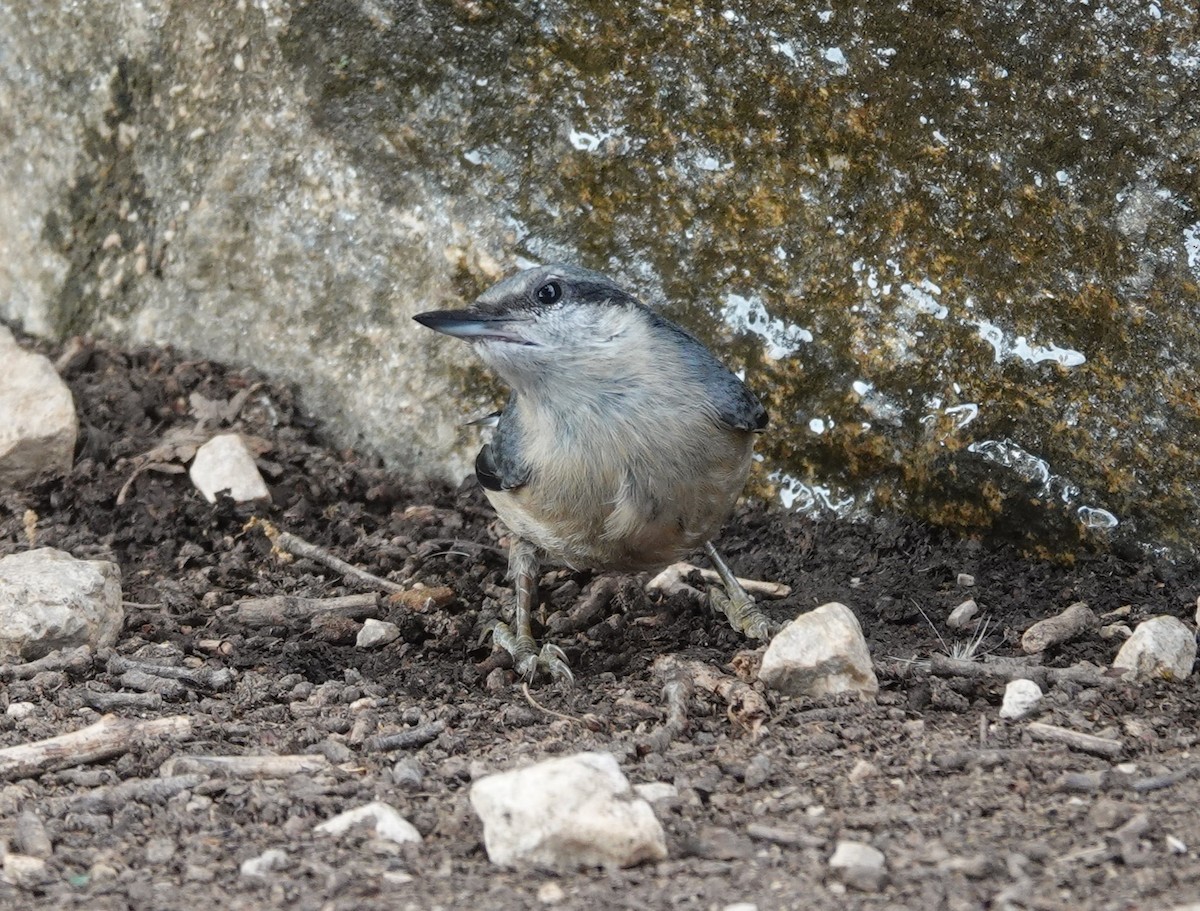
(549, 293)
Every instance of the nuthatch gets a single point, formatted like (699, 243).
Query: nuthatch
(623, 446)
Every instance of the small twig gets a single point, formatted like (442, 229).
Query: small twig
(1072, 622)
(541, 708)
(135, 790)
(202, 678)
(246, 766)
(164, 687)
(111, 702)
(292, 611)
(77, 661)
(1088, 743)
(286, 542)
(108, 737)
(1006, 670)
(587, 611)
(406, 740)
(1159, 782)
(677, 690)
(672, 579)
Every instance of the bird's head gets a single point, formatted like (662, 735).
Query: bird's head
(546, 323)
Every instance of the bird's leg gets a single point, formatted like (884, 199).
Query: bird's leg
(523, 570)
(736, 603)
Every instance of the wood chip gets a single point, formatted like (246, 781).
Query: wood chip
(1088, 743)
(108, 737)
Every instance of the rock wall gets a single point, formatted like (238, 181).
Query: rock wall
(956, 247)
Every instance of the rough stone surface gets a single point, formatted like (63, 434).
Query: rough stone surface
(819, 653)
(38, 425)
(375, 633)
(859, 865)
(49, 600)
(983, 309)
(563, 814)
(224, 463)
(384, 819)
(1161, 647)
(1021, 697)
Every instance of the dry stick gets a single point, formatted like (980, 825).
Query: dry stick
(406, 740)
(286, 542)
(110, 702)
(246, 766)
(677, 690)
(1088, 743)
(292, 611)
(672, 578)
(204, 678)
(76, 661)
(135, 790)
(541, 708)
(746, 706)
(1074, 621)
(588, 611)
(1158, 782)
(110, 736)
(1084, 674)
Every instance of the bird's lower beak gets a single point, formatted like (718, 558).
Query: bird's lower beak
(473, 326)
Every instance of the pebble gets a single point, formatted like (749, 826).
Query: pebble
(966, 580)
(1160, 648)
(962, 615)
(224, 463)
(387, 823)
(49, 600)
(551, 893)
(654, 791)
(270, 861)
(859, 865)
(820, 653)
(1020, 699)
(19, 711)
(30, 836)
(566, 813)
(39, 427)
(23, 870)
(375, 633)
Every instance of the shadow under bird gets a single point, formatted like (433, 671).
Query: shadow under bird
(624, 444)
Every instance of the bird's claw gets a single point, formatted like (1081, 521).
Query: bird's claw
(744, 614)
(528, 660)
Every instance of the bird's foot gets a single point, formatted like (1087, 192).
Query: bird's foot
(743, 612)
(528, 660)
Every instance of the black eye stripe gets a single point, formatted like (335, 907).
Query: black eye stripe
(549, 293)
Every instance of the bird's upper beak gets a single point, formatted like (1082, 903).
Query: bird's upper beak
(474, 325)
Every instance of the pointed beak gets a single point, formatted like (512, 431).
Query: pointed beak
(474, 326)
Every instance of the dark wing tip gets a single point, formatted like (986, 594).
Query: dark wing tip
(485, 470)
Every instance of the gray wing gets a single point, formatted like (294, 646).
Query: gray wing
(734, 404)
(498, 465)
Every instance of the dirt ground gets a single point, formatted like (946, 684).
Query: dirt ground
(969, 810)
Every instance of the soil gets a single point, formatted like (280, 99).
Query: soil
(970, 811)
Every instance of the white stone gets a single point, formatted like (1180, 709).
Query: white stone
(961, 615)
(49, 600)
(387, 823)
(656, 790)
(23, 870)
(567, 813)
(224, 463)
(1161, 647)
(269, 861)
(820, 653)
(859, 865)
(1020, 698)
(19, 711)
(375, 633)
(966, 580)
(38, 424)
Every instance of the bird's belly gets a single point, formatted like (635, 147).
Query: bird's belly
(619, 521)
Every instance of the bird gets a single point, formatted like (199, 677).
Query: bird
(623, 446)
